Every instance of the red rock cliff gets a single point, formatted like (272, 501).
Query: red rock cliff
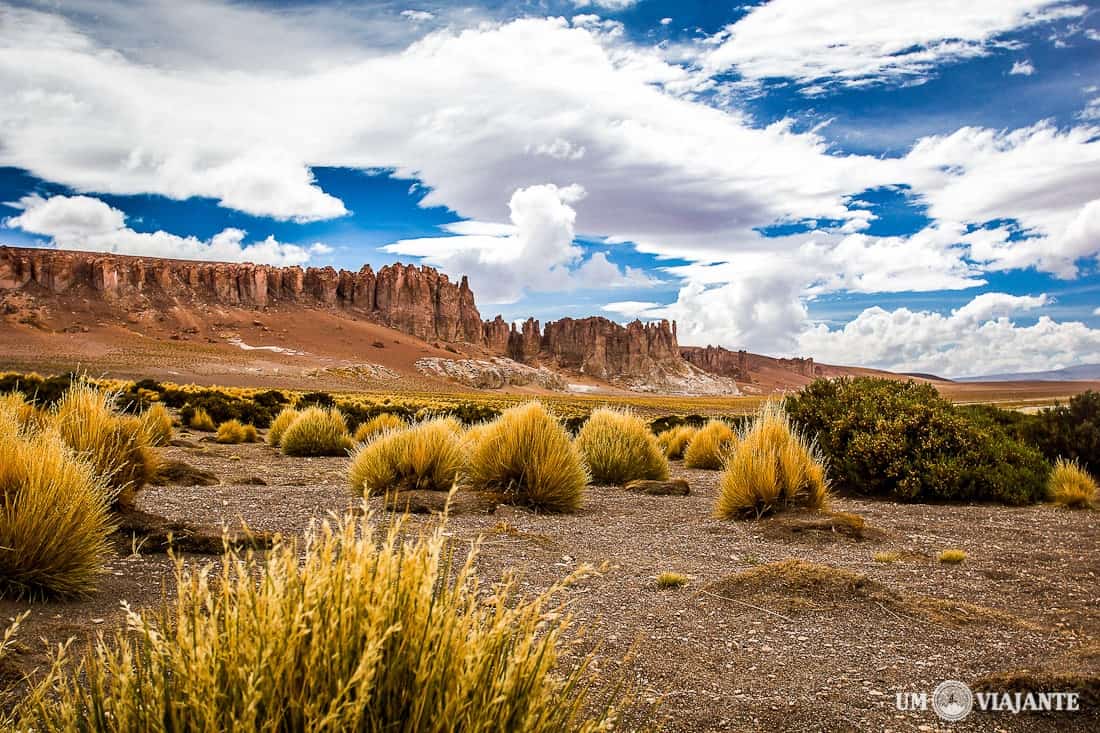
(416, 300)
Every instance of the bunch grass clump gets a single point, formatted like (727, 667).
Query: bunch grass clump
(367, 632)
(710, 446)
(773, 467)
(425, 456)
(1071, 486)
(674, 441)
(279, 425)
(952, 557)
(24, 413)
(54, 515)
(117, 446)
(234, 431)
(317, 432)
(619, 448)
(381, 423)
(157, 422)
(526, 455)
(668, 580)
(201, 420)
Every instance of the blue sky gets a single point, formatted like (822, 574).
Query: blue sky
(912, 187)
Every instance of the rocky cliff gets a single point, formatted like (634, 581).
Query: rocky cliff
(741, 365)
(418, 301)
(415, 300)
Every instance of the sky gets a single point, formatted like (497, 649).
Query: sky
(911, 185)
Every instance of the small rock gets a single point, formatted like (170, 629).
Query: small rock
(674, 487)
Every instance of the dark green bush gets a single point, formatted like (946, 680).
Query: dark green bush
(221, 407)
(668, 422)
(902, 440)
(1070, 431)
(315, 399)
(355, 413)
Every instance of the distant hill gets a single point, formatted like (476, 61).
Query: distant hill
(1082, 372)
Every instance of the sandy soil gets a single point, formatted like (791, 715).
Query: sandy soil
(746, 653)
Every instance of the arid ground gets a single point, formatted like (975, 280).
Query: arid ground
(751, 642)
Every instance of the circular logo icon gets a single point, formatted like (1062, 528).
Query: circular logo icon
(952, 700)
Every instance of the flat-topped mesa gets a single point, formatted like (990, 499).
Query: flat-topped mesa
(419, 301)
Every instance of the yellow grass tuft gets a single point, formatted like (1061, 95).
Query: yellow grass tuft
(772, 467)
(1071, 486)
(54, 515)
(157, 422)
(426, 456)
(619, 448)
(233, 431)
(279, 425)
(952, 557)
(366, 632)
(116, 445)
(887, 557)
(668, 580)
(23, 412)
(201, 420)
(710, 446)
(674, 441)
(377, 425)
(527, 456)
(317, 432)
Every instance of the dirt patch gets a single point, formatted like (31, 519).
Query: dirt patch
(709, 664)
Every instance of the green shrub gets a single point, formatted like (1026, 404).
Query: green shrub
(365, 633)
(317, 432)
(1071, 486)
(527, 456)
(426, 456)
(710, 446)
(619, 448)
(772, 467)
(900, 439)
(54, 515)
(1070, 431)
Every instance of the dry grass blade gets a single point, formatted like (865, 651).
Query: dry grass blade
(367, 632)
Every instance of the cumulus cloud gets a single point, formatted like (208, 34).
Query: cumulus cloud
(1040, 179)
(535, 253)
(1022, 68)
(87, 223)
(855, 43)
(980, 337)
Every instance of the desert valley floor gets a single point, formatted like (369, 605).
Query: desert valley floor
(747, 644)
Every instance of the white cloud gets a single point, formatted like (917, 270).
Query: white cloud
(535, 253)
(87, 223)
(980, 337)
(1022, 68)
(612, 5)
(1091, 112)
(1096, 312)
(631, 308)
(417, 16)
(855, 43)
(486, 113)
(666, 21)
(1043, 178)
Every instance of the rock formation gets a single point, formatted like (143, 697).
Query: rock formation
(740, 365)
(416, 300)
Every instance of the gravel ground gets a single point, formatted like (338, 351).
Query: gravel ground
(717, 654)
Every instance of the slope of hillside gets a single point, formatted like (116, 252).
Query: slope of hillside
(1081, 372)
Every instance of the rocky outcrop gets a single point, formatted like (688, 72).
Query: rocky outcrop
(419, 301)
(608, 350)
(740, 365)
(491, 374)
